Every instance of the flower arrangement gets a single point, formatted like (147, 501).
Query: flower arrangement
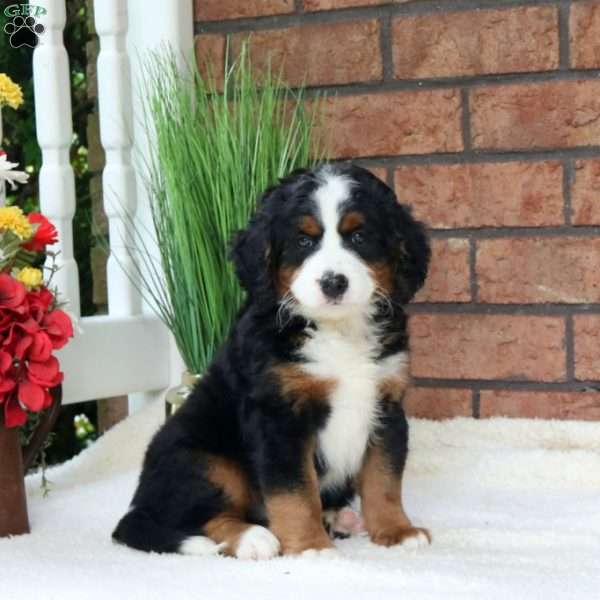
(32, 324)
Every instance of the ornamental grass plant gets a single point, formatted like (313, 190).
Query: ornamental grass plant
(218, 146)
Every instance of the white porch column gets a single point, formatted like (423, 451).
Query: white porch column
(116, 135)
(54, 128)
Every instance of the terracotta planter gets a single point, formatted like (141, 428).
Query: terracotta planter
(14, 463)
(13, 504)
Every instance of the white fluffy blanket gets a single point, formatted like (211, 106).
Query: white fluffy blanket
(514, 508)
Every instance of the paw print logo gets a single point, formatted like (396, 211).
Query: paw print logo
(23, 31)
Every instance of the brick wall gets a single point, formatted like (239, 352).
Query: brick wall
(485, 116)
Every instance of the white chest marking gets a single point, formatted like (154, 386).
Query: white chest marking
(348, 356)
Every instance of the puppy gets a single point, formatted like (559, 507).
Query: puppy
(302, 407)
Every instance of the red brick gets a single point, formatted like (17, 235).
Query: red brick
(220, 10)
(448, 277)
(476, 42)
(536, 115)
(313, 5)
(585, 35)
(449, 196)
(587, 346)
(540, 405)
(438, 403)
(210, 56)
(530, 270)
(393, 123)
(487, 347)
(331, 53)
(379, 172)
(585, 193)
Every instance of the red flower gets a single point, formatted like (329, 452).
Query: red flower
(40, 302)
(59, 327)
(30, 391)
(14, 415)
(14, 331)
(12, 292)
(33, 390)
(45, 234)
(6, 384)
(31, 396)
(36, 347)
(45, 373)
(41, 347)
(30, 331)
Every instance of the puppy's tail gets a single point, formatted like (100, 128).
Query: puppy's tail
(137, 529)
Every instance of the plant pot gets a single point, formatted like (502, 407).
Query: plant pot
(13, 503)
(14, 463)
(176, 396)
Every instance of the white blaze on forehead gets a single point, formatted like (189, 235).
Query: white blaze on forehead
(334, 191)
(329, 197)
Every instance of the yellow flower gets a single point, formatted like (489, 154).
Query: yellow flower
(10, 92)
(13, 219)
(30, 277)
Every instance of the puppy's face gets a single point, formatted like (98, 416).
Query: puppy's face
(333, 255)
(332, 241)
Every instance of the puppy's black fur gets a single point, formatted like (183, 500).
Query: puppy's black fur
(238, 411)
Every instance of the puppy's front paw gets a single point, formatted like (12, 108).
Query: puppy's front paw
(257, 543)
(410, 537)
(313, 544)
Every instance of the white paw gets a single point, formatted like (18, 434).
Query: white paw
(328, 553)
(257, 543)
(415, 541)
(199, 545)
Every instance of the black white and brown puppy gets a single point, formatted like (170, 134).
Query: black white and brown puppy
(302, 407)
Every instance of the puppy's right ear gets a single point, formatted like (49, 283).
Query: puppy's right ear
(251, 249)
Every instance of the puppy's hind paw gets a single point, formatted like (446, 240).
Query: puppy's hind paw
(419, 540)
(198, 545)
(408, 537)
(257, 543)
(348, 522)
(327, 553)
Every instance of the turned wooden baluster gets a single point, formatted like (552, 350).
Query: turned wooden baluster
(116, 135)
(55, 135)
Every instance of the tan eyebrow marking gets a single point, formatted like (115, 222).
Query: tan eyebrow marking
(350, 221)
(310, 226)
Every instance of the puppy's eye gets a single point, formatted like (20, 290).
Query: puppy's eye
(358, 238)
(305, 241)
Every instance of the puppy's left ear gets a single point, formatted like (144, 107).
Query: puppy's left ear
(412, 244)
(251, 249)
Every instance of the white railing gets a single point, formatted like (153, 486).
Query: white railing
(127, 351)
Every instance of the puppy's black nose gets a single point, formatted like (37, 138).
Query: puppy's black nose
(333, 284)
